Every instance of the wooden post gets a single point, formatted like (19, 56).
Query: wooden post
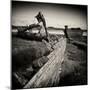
(65, 32)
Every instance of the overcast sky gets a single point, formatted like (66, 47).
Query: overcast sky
(57, 15)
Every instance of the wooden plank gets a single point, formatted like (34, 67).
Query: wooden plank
(49, 74)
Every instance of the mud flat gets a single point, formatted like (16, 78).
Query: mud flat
(38, 64)
(74, 67)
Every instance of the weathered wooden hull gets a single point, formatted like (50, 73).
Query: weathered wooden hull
(49, 74)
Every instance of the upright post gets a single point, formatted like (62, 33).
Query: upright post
(65, 32)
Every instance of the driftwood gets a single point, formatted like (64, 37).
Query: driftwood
(49, 74)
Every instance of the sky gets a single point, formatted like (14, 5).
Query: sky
(56, 15)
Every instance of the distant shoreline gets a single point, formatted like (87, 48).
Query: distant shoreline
(59, 32)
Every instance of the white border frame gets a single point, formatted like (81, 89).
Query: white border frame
(5, 43)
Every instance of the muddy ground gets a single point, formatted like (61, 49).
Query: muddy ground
(74, 67)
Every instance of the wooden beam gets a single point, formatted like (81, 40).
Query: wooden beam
(49, 74)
